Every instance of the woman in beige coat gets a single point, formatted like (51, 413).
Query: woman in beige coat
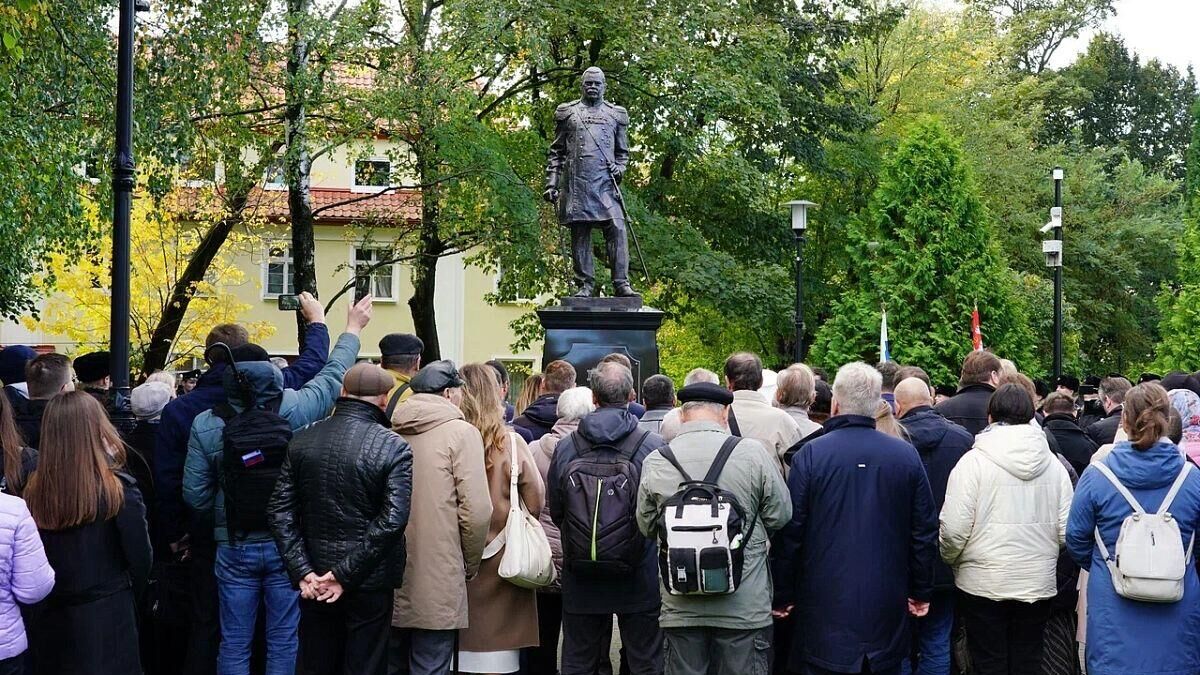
(503, 617)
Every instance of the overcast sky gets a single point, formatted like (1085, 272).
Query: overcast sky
(1163, 29)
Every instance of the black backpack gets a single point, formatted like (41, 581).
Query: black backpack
(256, 443)
(599, 530)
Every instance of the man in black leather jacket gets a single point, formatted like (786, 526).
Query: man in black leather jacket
(338, 516)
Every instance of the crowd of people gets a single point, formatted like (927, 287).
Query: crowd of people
(332, 515)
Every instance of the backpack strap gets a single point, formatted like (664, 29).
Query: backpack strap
(1175, 487)
(395, 399)
(1112, 478)
(666, 452)
(718, 465)
(733, 423)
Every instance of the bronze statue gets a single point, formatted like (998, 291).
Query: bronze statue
(584, 167)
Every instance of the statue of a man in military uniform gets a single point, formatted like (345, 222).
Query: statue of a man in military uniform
(583, 169)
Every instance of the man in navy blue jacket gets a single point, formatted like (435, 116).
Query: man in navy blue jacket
(170, 453)
(858, 555)
(940, 443)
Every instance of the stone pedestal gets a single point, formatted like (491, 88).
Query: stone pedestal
(584, 330)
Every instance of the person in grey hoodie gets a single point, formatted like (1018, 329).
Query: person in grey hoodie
(250, 572)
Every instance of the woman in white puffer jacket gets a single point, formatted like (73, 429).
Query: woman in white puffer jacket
(1002, 526)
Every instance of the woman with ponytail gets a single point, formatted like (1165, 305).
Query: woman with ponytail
(1129, 636)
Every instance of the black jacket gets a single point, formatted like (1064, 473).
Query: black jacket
(1104, 431)
(29, 418)
(603, 594)
(941, 443)
(968, 408)
(540, 416)
(1073, 443)
(342, 501)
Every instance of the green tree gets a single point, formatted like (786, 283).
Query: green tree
(925, 252)
(1179, 302)
(1036, 29)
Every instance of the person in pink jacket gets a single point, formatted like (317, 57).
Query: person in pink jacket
(25, 577)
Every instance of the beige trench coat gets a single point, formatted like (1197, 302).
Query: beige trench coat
(451, 510)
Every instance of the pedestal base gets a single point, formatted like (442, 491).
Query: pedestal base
(585, 330)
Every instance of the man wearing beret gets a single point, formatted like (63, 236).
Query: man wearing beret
(728, 633)
(400, 356)
(451, 511)
(338, 516)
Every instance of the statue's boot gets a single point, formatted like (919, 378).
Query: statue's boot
(624, 290)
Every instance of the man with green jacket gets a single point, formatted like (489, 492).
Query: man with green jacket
(721, 634)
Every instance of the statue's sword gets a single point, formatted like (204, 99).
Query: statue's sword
(608, 164)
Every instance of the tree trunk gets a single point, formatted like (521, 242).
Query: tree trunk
(429, 248)
(163, 336)
(298, 164)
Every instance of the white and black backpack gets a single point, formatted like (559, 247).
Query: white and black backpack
(702, 532)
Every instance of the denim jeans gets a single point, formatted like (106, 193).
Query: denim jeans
(248, 574)
(932, 636)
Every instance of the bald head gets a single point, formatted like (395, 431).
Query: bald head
(911, 393)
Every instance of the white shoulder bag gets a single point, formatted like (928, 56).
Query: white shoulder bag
(527, 561)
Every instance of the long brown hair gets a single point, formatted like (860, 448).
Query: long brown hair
(13, 446)
(529, 392)
(75, 483)
(1146, 414)
(481, 405)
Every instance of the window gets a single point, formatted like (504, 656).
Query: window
(273, 178)
(519, 370)
(372, 174)
(382, 277)
(278, 272)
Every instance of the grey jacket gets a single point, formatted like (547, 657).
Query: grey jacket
(752, 475)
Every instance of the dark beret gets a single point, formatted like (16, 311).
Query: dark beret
(250, 352)
(13, 361)
(945, 390)
(92, 367)
(1069, 381)
(706, 392)
(1043, 389)
(1092, 381)
(401, 344)
(1148, 377)
(436, 377)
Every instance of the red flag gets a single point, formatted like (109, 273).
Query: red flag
(976, 333)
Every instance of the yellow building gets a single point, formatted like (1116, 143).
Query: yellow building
(348, 232)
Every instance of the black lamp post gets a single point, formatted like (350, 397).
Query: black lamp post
(799, 226)
(123, 184)
(1053, 249)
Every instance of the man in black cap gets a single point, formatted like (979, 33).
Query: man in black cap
(1093, 410)
(1067, 384)
(188, 381)
(401, 357)
(94, 373)
(717, 633)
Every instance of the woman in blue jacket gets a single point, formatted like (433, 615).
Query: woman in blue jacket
(1128, 636)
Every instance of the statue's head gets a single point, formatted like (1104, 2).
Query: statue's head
(593, 85)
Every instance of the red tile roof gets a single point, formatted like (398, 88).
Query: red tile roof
(332, 205)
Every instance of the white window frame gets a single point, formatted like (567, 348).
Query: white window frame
(519, 300)
(395, 292)
(355, 187)
(281, 184)
(289, 262)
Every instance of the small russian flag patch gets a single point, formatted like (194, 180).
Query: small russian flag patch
(252, 458)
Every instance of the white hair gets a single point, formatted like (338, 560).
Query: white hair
(857, 389)
(697, 375)
(162, 376)
(575, 403)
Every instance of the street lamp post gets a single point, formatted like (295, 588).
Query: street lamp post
(1053, 249)
(799, 226)
(123, 184)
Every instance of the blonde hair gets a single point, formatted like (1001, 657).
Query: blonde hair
(886, 421)
(482, 407)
